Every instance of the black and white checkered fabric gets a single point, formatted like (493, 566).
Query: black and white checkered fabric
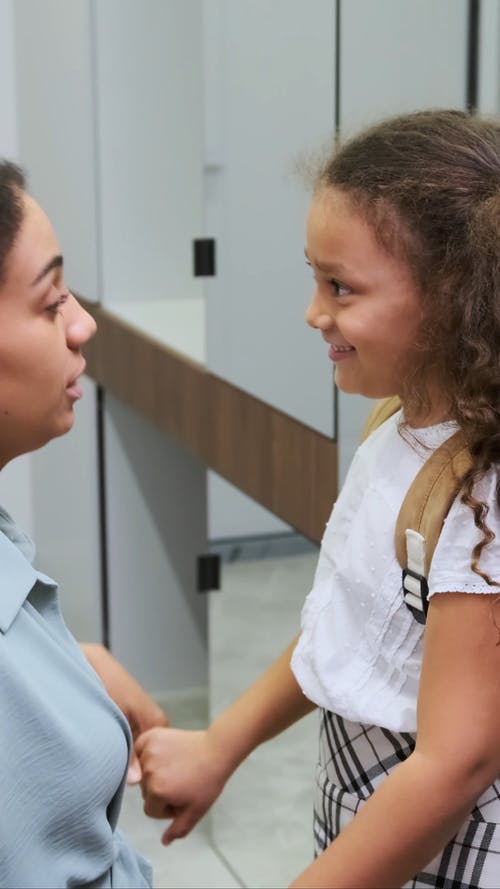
(354, 759)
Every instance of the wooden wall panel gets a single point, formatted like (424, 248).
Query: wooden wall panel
(288, 467)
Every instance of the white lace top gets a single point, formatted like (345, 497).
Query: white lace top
(360, 651)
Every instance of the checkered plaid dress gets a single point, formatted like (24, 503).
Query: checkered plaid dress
(354, 759)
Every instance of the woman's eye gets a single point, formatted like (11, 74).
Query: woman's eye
(339, 288)
(56, 306)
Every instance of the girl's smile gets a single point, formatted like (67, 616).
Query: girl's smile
(339, 353)
(366, 304)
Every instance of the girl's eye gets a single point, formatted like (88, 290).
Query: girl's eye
(339, 288)
(55, 307)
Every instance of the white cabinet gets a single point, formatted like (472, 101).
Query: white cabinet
(489, 57)
(274, 104)
(400, 55)
(148, 96)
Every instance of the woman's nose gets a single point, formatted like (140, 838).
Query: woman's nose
(81, 326)
(316, 315)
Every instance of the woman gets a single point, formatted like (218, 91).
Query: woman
(64, 744)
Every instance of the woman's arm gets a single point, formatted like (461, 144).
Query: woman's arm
(184, 772)
(416, 810)
(141, 711)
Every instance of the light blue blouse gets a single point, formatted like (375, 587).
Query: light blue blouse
(64, 745)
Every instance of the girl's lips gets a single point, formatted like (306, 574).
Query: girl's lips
(336, 353)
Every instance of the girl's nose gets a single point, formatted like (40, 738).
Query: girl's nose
(317, 316)
(80, 325)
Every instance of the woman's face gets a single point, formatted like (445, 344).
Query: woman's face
(365, 303)
(42, 330)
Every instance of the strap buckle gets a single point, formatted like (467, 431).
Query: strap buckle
(416, 594)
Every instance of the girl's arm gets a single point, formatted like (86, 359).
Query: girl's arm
(184, 771)
(416, 810)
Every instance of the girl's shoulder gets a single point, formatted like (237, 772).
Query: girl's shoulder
(451, 565)
(399, 441)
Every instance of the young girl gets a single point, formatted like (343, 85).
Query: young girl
(403, 237)
(64, 745)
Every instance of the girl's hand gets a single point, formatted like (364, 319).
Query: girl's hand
(183, 773)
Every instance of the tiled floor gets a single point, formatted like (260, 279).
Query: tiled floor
(186, 864)
(259, 833)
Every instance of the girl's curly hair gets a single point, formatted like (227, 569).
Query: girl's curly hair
(12, 184)
(429, 184)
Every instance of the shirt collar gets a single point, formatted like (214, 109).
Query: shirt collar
(17, 575)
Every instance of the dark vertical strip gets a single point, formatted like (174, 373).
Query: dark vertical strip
(473, 55)
(336, 110)
(101, 474)
(101, 478)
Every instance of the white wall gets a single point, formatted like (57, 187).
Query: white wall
(155, 494)
(67, 521)
(55, 113)
(8, 127)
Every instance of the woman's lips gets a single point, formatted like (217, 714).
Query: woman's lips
(74, 390)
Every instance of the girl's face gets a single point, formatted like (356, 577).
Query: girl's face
(42, 329)
(365, 303)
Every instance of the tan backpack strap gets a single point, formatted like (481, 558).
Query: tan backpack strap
(429, 497)
(425, 507)
(381, 411)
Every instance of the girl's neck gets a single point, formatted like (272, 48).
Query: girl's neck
(437, 411)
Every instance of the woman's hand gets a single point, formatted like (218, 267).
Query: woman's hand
(183, 773)
(141, 711)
